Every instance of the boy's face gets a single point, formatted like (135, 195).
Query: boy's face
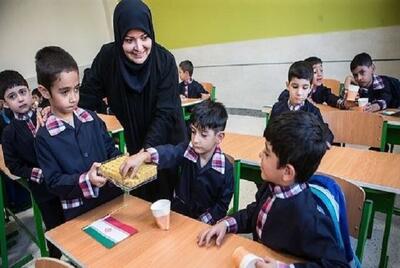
(64, 96)
(183, 76)
(269, 168)
(18, 99)
(318, 74)
(137, 46)
(205, 140)
(363, 75)
(36, 100)
(298, 90)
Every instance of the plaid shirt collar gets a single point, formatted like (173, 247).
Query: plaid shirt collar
(188, 82)
(217, 160)
(283, 192)
(377, 82)
(55, 125)
(294, 107)
(26, 116)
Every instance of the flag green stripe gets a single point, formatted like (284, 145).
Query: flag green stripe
(99, 237)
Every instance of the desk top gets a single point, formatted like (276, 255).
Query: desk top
(377, 170)
(390, 119)
(150, 247)
(190, 101)
(112, 123)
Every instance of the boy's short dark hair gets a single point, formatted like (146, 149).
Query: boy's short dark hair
(50, 62)
(36, 92)
(313, 60)
(362, 59)
(187, 66)
(301, 70)
(10, 79)
(209, 114)
(297, 138)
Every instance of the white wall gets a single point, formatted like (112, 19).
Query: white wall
(78, 26)
(252, 86)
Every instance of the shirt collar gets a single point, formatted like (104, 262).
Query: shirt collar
(26, 116)
(377, 82)
(284, 192)
(188, 82)
(55, 125)
(294, 107)
(217, 160)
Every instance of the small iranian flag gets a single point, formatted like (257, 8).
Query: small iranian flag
(109, 231)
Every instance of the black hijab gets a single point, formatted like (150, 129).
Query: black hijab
(128, 15)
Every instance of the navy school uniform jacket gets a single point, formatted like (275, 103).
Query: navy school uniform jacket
(195, 89)
(320, 95)
(294, 226)
(202, 192)
(20, 157)
(386, 92)
(282, 107)
(66, 153)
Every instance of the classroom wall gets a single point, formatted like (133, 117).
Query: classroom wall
(79, 26)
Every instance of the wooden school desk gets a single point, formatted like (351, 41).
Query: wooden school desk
(375, 170)
(115, 129)
(150, 247)
(37, 239)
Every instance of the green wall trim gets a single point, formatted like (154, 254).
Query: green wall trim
(188, 23)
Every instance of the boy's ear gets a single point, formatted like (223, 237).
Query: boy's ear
(220, 136)
(373, 68)
(44, 91)
(289, 175)
(287, 84)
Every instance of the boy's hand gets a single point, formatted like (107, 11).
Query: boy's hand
(371, 107)
(267, 263)
(205, 236)
(94, 178)
(41, 116)
(133, 162)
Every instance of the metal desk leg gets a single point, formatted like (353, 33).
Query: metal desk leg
(41, 240)
(3, 238)
(121, 145)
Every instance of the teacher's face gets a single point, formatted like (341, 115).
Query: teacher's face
(137, 46)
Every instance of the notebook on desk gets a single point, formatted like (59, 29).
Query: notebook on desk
(391, 113)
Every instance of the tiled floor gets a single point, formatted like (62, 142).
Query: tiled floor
(255, 126)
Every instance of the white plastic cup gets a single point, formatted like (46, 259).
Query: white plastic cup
(352, 92)
(161, 210)
(244, 259)
(362, 102)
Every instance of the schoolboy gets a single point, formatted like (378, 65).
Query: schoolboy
(189, 88)
(320, 93)
(382, 91)
(206, 183)
(18, 148)
(299, 86)
(73, 141)
(284, 216)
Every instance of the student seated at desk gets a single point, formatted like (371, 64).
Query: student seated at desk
(189, 88)
(284, 216)
(73, 141)
(320, 93)
(206, 183)
(299, 79)
(382, 91)
(18, 148)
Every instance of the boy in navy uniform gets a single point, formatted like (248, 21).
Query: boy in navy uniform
(284, 216)
(73, 141)
(189, 88)
(18, 148)
(319, 93)
(206, 183)
(299, 86)
(382, 91)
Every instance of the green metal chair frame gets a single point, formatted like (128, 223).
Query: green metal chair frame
(38, 239)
